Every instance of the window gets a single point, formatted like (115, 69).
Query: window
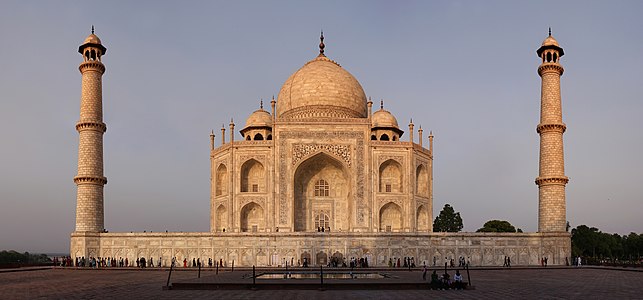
(388, 228)
(322, 220)
(388, 188)
(322, 188)
(255, 188)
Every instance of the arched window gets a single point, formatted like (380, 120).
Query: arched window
(269, 138)
(548, 56)
(394, 138)
(555, 56)
(373, 138)
(247, 137)
(384, 137)
(322, 189)
(258, 137)
(322, 220)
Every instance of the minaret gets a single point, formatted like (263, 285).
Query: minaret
(551, 179)
(90, 180)
(411, 132)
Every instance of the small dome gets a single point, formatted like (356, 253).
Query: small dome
(321, 89)
(259, 118)
(92, 39)
(550, 41)
(383, 118)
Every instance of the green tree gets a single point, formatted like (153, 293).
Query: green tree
(448, 220)
(497, 226)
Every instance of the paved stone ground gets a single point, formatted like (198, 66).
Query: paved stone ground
(534, 283)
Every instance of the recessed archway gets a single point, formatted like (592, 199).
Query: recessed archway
(422, 181)
(222, 180)
(252, 177)
(391, 217)
(252, 218)
(390, 177)
(321, 186)
(221, 220)
(422, 218)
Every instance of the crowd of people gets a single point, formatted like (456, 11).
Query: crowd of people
(407, 262)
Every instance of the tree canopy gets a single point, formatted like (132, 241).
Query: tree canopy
(11, 256)
(448, 220)
(497, 226)
(590, 242)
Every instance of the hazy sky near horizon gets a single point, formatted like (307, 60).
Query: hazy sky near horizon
(177, 69)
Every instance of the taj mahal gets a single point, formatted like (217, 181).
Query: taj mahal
(321, 174)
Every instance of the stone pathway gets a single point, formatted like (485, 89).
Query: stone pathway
(531, 283)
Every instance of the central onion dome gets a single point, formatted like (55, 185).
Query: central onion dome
(321, 89)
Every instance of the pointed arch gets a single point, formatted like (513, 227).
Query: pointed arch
(258, 137)
(321, 186)
(221, 180)
(422, 181)
(252, 218)
(422, 217)
(391, 217)
(391, 178)
(384, 137)
(221, 220)
(252, 177)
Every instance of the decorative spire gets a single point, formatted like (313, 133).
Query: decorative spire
(549, 31)
(321, 44)
(381, 103)
(261, 104)
(93, 29)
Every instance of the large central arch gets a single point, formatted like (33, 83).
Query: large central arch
(322, 186)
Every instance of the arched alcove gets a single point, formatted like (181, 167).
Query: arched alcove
(221, 180)
(390, 177)
(321, 187)
(422, 218)
(221, 220)
(252, 177)
(252, 218)
(391, 217)
(422, 181)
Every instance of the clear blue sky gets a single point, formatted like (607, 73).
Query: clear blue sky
(175, 70)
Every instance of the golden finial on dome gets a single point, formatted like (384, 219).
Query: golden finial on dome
(549, 31)
(381, 103)
(261, 104)
(321, 44)
(92, 29)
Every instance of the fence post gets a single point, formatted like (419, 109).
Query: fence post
(169, 275)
